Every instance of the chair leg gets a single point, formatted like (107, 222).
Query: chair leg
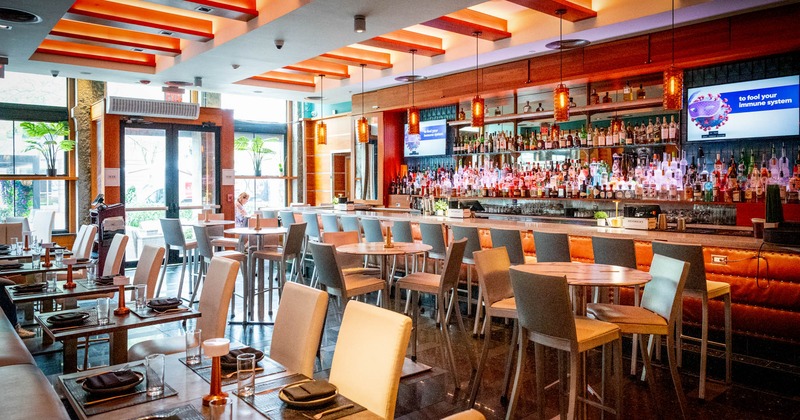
(271, 286)
(183, 273)
(414, 322)
(728, 338)
(449, 347)
(574, 362)
(200, 276)
(481, 364)
(703, 349)
(679, 333)
(648, 372)
(469, 290)
(163, 272)
(538, 351)
(523, 334)
(673, 370)
(617, 350)
(477, 313)
(465, 336)
(509, 362)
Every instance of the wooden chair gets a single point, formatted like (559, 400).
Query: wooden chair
(298, 328)
(344, 286)
(292, 249)
(148, 267)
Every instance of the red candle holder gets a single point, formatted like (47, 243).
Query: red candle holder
(46, 260)
(215, 392)
(69, 284)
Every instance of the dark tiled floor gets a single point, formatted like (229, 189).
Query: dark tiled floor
(760, 390)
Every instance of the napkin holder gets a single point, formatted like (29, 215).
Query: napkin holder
(121, 310)
(69, 262)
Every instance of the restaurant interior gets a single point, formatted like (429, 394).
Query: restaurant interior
(460, 209)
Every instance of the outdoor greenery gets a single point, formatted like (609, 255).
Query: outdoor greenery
(17, 198)
(48, 139)
(257, 149)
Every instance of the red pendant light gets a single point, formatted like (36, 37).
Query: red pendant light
(478, 103)
(413, 111)
(673, 77)
(321, 131)
(561, 93)
(362, 131)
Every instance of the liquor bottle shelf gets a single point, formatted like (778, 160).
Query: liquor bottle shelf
(517, 152)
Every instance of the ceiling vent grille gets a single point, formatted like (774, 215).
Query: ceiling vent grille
(152, 108)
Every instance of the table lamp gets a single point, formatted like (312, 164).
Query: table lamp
(69, 262)
(121, 310)
(216, 348)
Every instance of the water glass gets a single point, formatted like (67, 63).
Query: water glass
(194, 354)
(90, 275)
(59, 255)
(103, 307)
(52, 281)
(35, 259)
(14, 241)
(154, 374)
(20, 247)
(246, 374)
(221, 409)
(140, 295)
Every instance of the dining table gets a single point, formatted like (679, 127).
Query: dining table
(187, 387)
(380, 250)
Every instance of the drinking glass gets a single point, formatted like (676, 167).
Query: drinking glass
(103, 306)
(52, 279)
(221, 409)
(90, 274)
(59, 255)
(20, 247)
(154, 374)
(14, 241)
(35, 259)
(140, 295)
(194, 354)
(246, 374)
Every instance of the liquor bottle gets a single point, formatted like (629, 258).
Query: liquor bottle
(594, 99)
(657, 131)
(539, 108)
(664, 130)
(673, 130)
(572, 103)
(783, 164)
(497, 111)
(627, 92)
(649, 131)
(606, 99)
(683, 165)
(774, 168)
(589, 137)
(461, 114)
(640, 93)
(527, 107)
(751, 163)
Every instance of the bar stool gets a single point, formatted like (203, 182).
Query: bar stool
(470, 233)
(206, 252)
(330, 223)
(551, 247)
(434, 236)
(350, 224)
(292, 249)
(174, 240)
(287, 217)
(372, 230)
(511, 240)
(699, 288)
(401, 232)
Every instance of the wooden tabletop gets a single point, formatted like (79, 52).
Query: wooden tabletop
(580, 274)
(377, 248)
(206, 222)
(253, 231)
(81, 289)
(116, 323)
(27, 268)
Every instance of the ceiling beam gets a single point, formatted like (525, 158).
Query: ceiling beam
(92, 34)
(317, 67)
(575, 12)
(297, 79)
(350, 56)
(125, 16)
(243, 10)
(405, 41)
(71, 49)
(467, 22)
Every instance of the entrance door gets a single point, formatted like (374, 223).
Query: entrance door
(168, 170)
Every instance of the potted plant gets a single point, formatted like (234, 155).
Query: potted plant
(48, 138)
(257, 149)
(440, 206)
(601, 217)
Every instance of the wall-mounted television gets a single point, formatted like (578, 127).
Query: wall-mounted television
(745, 110)
(431, 141)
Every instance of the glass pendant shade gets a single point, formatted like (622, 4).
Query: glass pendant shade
(363, 130)
(673, 88)
(413, 120)
(321, 133)
(478, 111)
(561, 103)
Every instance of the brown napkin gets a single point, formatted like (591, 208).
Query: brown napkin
(112, 380)
(312, 390)
(33, 287)
(164, 303)
(230, 358)
(68, 318)
(105, 280)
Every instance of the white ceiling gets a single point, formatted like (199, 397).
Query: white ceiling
(311, 28)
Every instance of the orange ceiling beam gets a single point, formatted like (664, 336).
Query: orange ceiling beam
(242, 10)
(575, 12)
(350, 56)
(141, 18)
(92, 34)
(467, 22)
(317, 67)
(405, 41)
(71, 49)
(297, 79)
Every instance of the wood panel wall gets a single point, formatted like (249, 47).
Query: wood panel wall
(318, 159)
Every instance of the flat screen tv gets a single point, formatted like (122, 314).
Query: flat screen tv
(745, 110)
(431, 141)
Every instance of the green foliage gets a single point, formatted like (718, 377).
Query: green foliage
(600, 215)
(256, 147)
(48, 139)
(440, 205)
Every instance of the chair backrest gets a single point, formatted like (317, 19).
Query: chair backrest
(173, 232)
(216, 294)
(401, 231)
(543, 305)
(551, 247)
(263, 222)
(669, 277)
(84, 248)
(492, 266)
(148, 267)
(26, 227)
(76, 245)
(470, 233)
(312, 224)
(338, 239)
(511, 240)
(269, 214)
(330, 223)
(10, 230)
(204, 248)
(115, 255)
(614, 251)
(691, 253)
(433, 235)
(211, 216)
(328, 271)
(372, 230)
(42, 225)
(350, 224)
(214, 231)
(452, 265)
(293, 245)
(287, 217)
(368, 359)
(266, 240)
(298, 327)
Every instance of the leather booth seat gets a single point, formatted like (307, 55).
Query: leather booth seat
(26, 392)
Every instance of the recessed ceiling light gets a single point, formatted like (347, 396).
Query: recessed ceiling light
(410, 78)
(18, 16)
(177, 83)
(86, 72)
(375, 107)
(137, 49)
(314, 98)
(257, 91)
(6, 27)
(567, 44)
(204, 9)
(167, 33)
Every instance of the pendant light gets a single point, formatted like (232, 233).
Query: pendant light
(413, 111)
(478, 104)
(321, 131)
(561, 93)
(673, 77)
(363, 126)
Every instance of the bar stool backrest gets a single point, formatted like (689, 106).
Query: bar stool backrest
(470, 233)
(294, 239)
(452, 266)
(338, 239)
(433, 235)
(511, 240)
(330, 223)
(401, 231)
(173, 232)
(148, 267)
(312, 225)
(669, 278)
(287, 217)
(266, 240)
(543, 305)
(614, 251)
(204, 248)
(350, 224)
(493, 267)
(328, 270)
(691, 253)
(372, 230)
(269, 214)
(42, 225)
(214, 231)
(551, 247)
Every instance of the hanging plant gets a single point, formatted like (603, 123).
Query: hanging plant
(48, 139)
(257, 149)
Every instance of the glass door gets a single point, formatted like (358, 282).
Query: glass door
(167, 170)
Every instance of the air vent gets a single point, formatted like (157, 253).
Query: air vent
(152, 108)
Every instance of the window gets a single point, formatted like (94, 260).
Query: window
(265, 191)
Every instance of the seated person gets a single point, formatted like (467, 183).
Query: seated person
(242, 217)
(10, 309)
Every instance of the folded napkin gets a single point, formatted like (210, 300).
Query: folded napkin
(112, 379)
(85, 260)
(230, 358)
(5, 263)
(34, 287)
(312, 390)
(3, 246)
(164, 303)
(67, 318)
(105, 280)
